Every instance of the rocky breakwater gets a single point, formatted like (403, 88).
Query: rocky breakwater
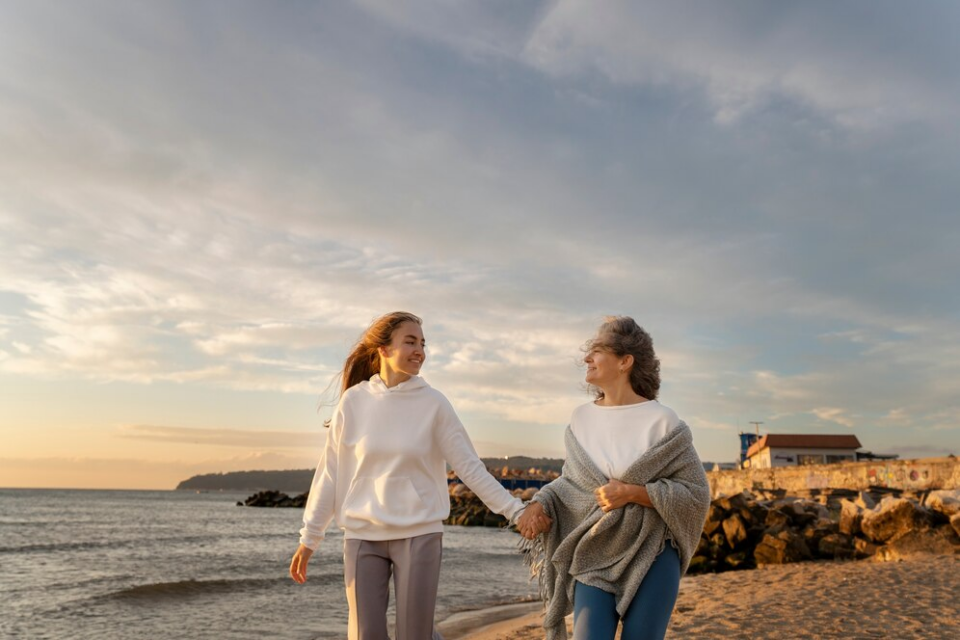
(274, 499)
(466, 509)
(746, 530)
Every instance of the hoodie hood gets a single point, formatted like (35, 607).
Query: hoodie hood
(377, 386)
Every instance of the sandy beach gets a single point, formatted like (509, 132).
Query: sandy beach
(912, 598)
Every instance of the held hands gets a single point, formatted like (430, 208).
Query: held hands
(616, 495)
(298, 566)
(533, 521)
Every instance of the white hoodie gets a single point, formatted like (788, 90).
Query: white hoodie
(383, 471)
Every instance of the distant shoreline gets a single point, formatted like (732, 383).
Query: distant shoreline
(223, 491)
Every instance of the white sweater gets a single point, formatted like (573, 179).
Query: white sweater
(383, 471)
(615, 437)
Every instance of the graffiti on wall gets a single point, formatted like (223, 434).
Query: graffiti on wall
(900, 476)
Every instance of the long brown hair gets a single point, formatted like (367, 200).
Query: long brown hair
(621, 335)
(364, 358)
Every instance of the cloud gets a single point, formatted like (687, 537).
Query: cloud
(746, 57)
(833, 414)
(223, 437)
(768, 189)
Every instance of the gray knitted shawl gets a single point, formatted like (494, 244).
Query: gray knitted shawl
(613, 551)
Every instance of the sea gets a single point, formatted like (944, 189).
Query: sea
(172, 564)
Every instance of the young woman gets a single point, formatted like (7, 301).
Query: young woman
(383, 477)
(629, 508)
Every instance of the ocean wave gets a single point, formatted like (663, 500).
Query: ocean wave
(191, 588)
(101, 544)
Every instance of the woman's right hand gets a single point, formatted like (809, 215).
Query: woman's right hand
(298, 566)
(533, 521)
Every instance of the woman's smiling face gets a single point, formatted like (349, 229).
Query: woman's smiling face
(406, 352)
(603, 367)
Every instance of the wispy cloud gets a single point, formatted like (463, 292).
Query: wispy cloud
(223, 437)
(769, 189)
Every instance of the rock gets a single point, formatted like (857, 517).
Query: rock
(864, 548)
(784, 547)
(460, 490)
(718, 539)
(737, 560)
(865, 500)
(698, 564)
(798, 514)
(955, 523)
(851, 515)
(891, 520)
(812, 535)
(702, 547)
(275, 499)
(529, 493)
(945, 501)
(491, 519)
(776, 520)
(836, 545)
(714, 519)
(735, 530)
(758, 514)
(939, 541)
(735, 502)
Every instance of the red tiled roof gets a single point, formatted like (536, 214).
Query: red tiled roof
(803, 441)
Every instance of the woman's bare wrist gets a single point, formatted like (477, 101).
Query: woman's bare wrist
(639, 495)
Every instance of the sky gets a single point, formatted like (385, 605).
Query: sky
(202, 206)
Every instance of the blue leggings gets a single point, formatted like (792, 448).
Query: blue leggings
(595, 611)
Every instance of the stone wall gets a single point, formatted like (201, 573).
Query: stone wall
(916, 475)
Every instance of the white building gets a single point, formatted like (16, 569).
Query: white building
(789, 450)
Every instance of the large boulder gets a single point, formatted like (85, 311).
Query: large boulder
(800, 512)
(939, 541)
(894, 518)
(865, 500)
(718, 539)
(735, 502)
(776, 520)
(813, 534)
(864, 548)
(275, 499)
(715, 516)
(836, 545)
(735, 530)
(786, 546)
(460, 490)
(945, 501)
(738, 560)
(699, 564)
(851, 515)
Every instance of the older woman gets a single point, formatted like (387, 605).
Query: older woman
(618, 528)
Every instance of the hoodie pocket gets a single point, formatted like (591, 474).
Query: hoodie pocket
(385, 501)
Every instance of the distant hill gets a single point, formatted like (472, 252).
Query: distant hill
(294, 481)
(291, 481)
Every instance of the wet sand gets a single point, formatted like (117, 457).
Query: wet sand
(913, 598)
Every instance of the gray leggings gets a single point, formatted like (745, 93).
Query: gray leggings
(415, 565)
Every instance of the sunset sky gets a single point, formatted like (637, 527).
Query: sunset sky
(202, 205)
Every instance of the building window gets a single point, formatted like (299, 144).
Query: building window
(804, 459)
(832, 459)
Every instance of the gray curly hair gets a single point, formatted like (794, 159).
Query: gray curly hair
(621, 335)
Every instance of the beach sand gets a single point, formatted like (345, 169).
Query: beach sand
(918, 597)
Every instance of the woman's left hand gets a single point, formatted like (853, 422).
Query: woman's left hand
(616, 495)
